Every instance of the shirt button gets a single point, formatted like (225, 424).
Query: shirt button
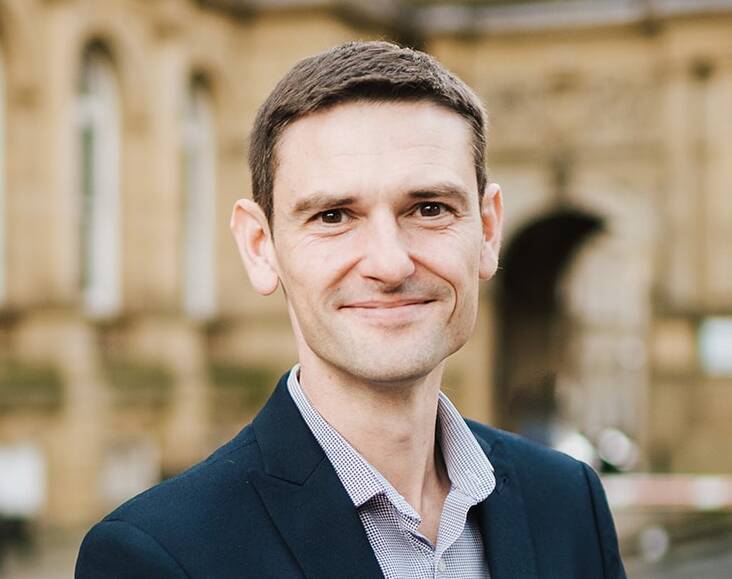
(441, 566)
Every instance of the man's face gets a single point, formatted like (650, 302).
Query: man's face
(379, 237)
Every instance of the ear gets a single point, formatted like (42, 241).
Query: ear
(254, 240)
(491, 215)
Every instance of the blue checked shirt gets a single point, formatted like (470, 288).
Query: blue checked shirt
(390, 522)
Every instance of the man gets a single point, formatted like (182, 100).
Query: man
(373, 212)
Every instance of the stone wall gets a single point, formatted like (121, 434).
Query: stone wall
(626, 123)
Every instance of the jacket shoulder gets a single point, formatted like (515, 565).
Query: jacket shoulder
(195, 492)
(543, 472)
(206, 522)
(521, 450)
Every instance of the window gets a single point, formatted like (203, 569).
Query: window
(97, 139)
(199, 202)
(715, 346)
(23, 488)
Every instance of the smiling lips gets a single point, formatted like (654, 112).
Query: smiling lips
(389, 311)
(387, 304)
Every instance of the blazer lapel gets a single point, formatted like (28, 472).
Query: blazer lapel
(305, 498)
(503, 521)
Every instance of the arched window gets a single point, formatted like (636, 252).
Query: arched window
(3, 218)
(97, 138)
(199, 202)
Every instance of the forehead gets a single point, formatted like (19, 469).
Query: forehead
(372, 147)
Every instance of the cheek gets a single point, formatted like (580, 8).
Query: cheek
(454, 257)
(330, 261)
(312, 267)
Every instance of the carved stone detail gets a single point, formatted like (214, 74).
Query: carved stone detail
(609, 110)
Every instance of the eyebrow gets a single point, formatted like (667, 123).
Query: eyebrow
(318, 202)
(441, 190)
(322, 201)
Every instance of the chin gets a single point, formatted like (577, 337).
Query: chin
(392, 368)
(391, 358)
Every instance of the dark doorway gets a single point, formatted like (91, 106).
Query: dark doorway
(533, 328)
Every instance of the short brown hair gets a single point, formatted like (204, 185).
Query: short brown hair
(371, 71)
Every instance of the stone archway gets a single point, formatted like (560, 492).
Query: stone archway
(574, 304)
(532, 319)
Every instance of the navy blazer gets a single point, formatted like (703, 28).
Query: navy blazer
(268, 504)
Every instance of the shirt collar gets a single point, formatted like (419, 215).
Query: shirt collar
(361, 481)
(468, 468)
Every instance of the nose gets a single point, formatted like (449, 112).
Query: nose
(386, 256)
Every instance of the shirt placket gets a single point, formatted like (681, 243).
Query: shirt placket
(452, 526)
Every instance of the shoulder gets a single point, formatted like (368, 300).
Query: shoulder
(151, 534)
(543, 471)
(562, 497)
(192, 495)
(521, 449)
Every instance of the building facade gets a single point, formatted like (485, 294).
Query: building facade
(130, 342)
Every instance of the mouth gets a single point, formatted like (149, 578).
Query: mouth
(388, 304)
(389, 312)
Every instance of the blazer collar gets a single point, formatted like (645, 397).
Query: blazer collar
(317, 519)
(305, 498)
(503, 517)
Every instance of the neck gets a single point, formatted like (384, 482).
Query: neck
(391, 425)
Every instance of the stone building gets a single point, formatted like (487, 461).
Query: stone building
(130, 341)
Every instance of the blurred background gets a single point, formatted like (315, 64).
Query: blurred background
(131, 344)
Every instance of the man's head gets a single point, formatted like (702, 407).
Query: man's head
(357, 71)
(384, 223)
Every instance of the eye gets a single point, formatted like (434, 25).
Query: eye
(431, 209)
(331, 216)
